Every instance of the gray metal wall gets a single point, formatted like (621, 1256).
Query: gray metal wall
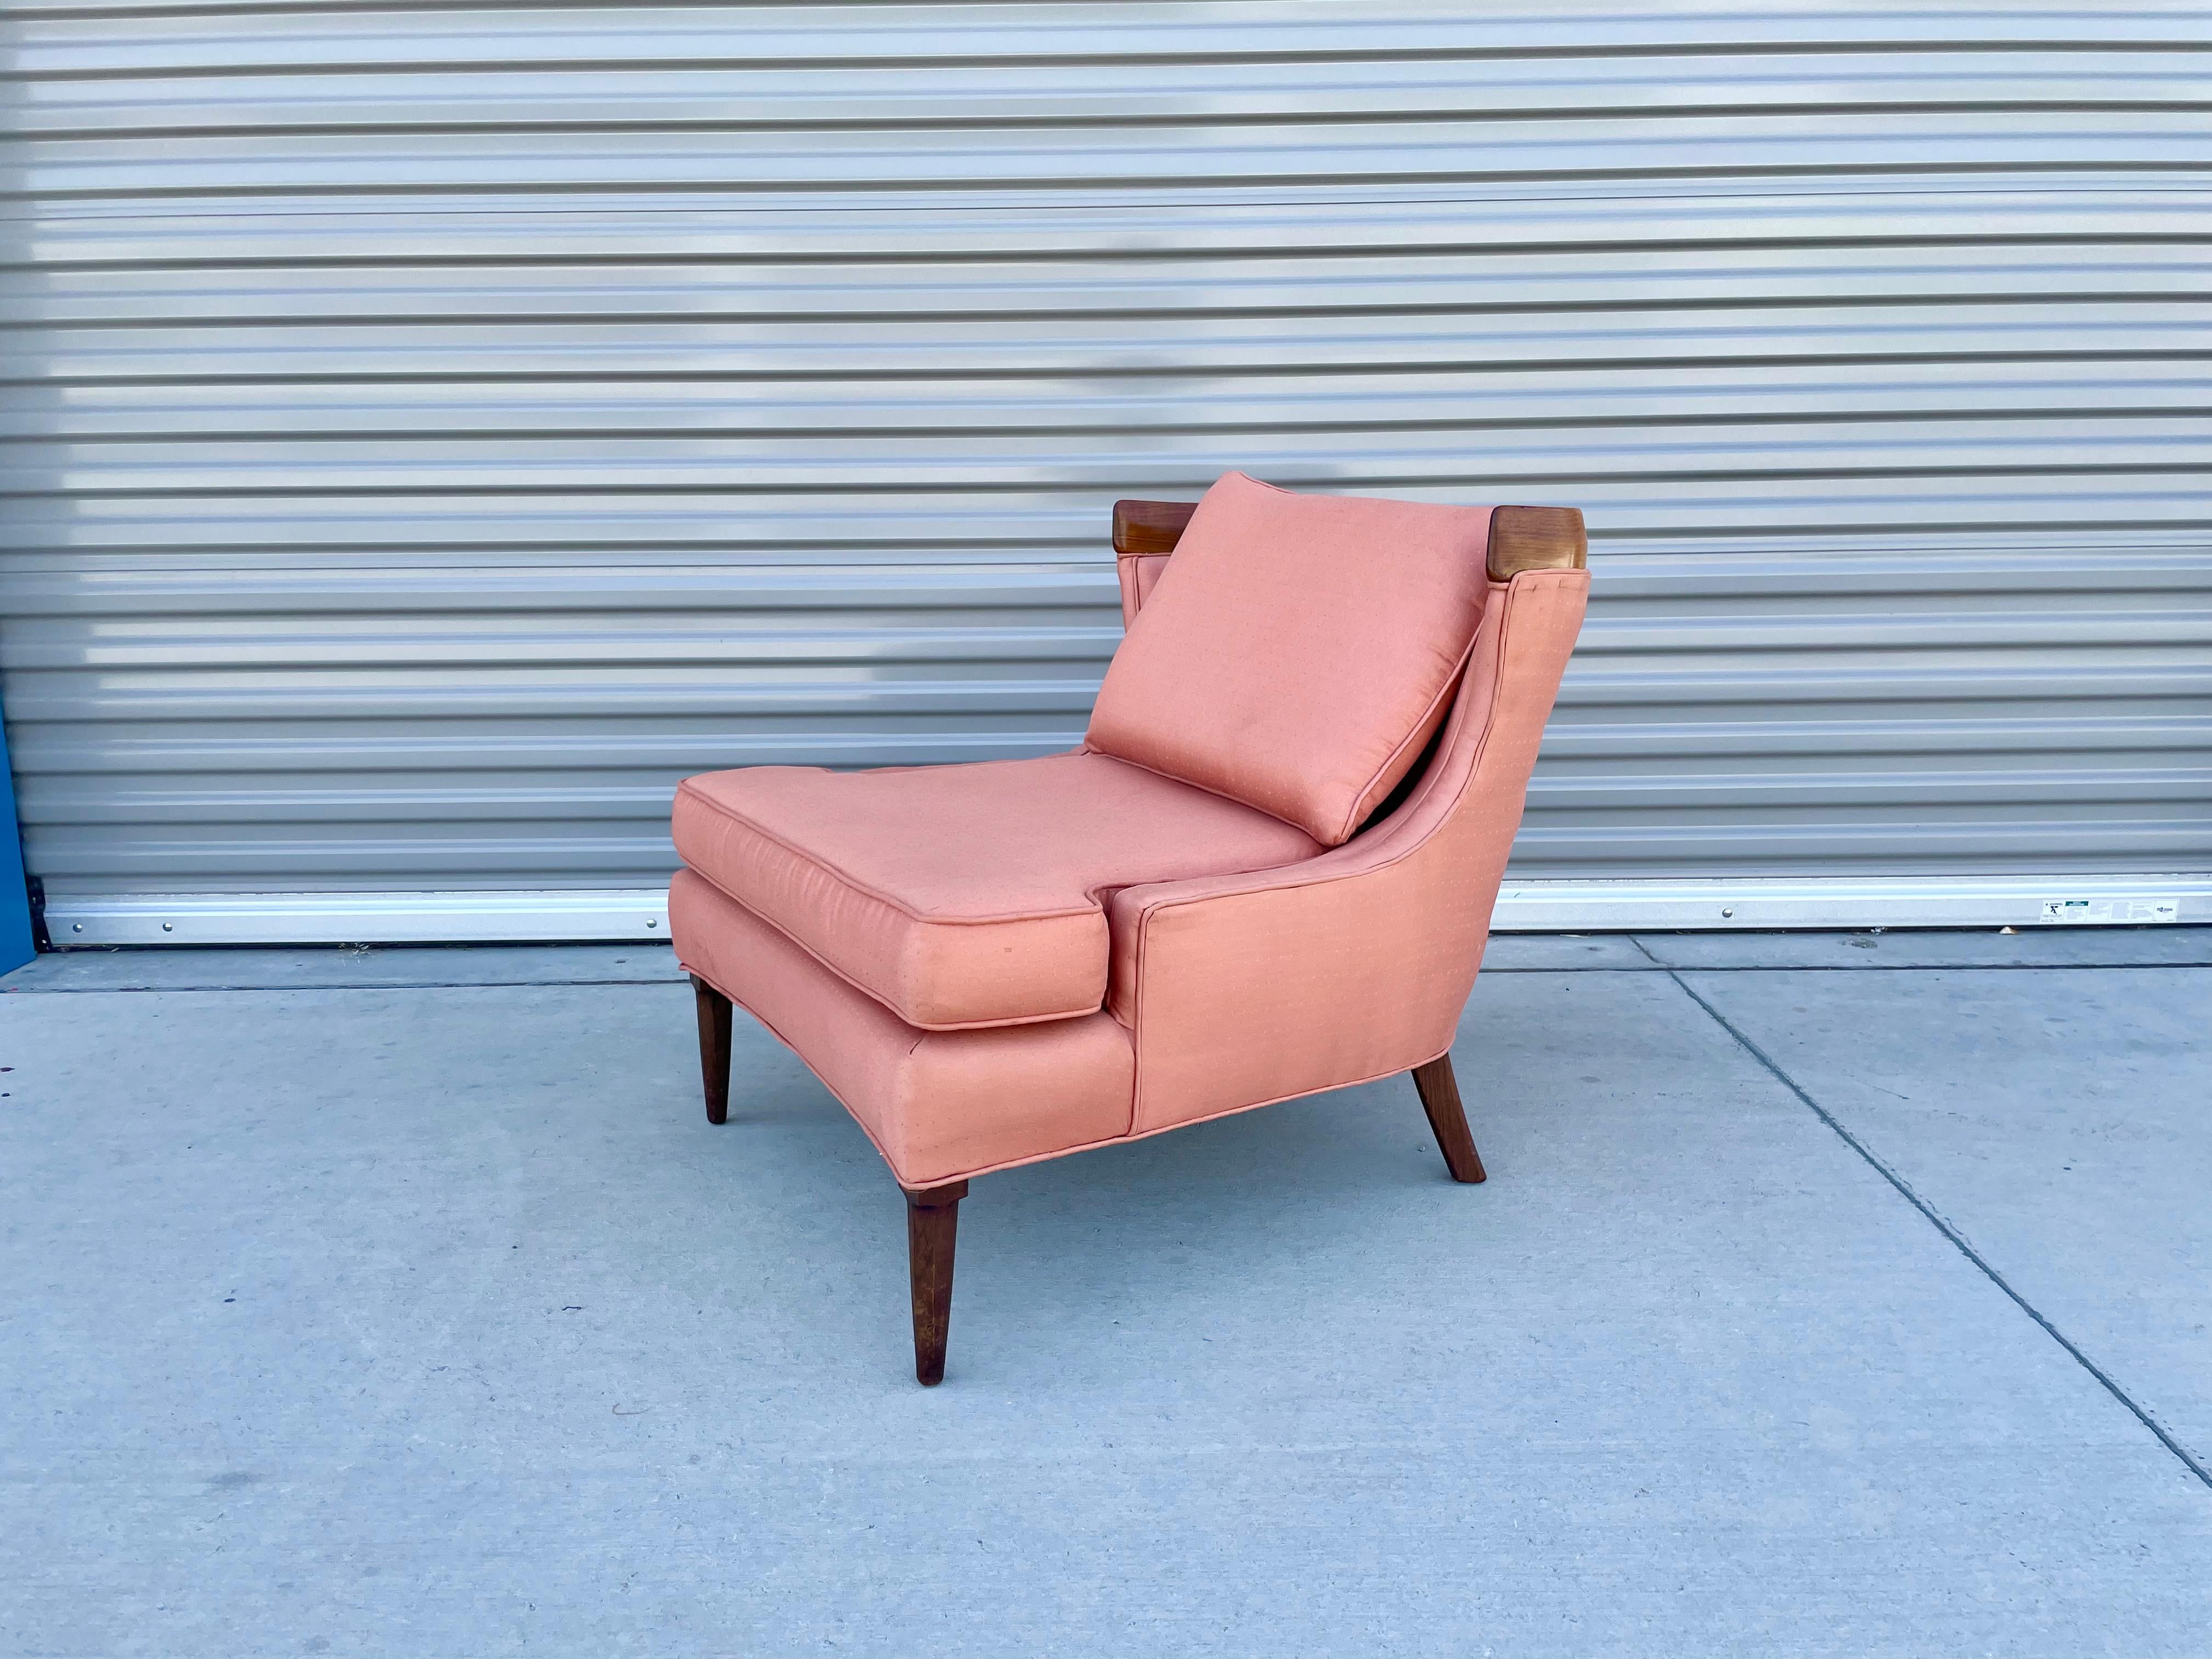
(432, 430)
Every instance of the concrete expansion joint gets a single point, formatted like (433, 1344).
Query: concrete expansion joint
(1943, 1226)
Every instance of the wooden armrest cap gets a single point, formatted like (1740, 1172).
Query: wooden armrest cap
(1141, 528)
(1536, 538)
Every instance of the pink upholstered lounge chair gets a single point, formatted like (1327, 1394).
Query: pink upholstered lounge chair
(1269, 871)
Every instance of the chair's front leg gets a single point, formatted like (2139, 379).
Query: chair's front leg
(932, 1219)
(714, 1048)
(1439, 1091)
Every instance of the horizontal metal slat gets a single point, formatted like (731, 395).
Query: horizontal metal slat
(78, 39)
(892, 94)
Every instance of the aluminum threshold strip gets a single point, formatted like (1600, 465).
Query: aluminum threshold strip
(1547, 906)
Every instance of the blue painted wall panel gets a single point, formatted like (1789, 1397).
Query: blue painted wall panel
(16, 948)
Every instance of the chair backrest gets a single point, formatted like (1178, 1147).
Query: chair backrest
(1299, 651)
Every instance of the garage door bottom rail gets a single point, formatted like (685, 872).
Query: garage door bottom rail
(547, 916)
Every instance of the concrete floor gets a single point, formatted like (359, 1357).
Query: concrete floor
(1831, 1294)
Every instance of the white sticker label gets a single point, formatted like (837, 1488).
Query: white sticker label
(2112, 910)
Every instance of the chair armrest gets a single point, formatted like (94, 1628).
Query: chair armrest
(1248, 989)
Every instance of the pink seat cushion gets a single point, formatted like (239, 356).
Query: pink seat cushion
(963, 895)
(1299, 651)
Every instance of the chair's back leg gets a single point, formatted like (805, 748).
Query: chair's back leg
(714, 1048)
(932, 1220)
(1439, 1091)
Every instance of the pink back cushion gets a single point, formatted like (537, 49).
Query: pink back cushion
(1299, 651)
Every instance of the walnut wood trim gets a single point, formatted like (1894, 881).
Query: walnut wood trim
(1520, 538)
(1536, 538)
(1148, 527)
(714, 1048)
(1439, 1093)
(932, 1225)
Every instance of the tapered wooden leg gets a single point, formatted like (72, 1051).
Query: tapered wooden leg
(714, 1048)
(1439, 1091)
(932, 1219)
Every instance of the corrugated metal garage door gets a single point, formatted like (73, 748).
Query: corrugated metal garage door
(433, 430)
